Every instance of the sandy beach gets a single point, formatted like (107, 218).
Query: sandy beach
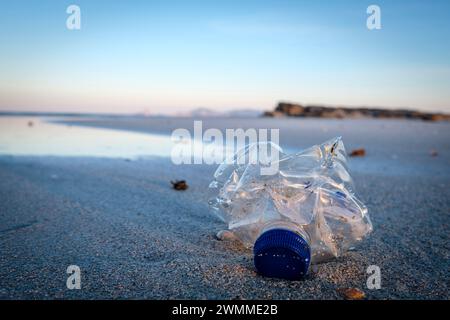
(134, 237)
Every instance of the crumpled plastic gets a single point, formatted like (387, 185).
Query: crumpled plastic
(312, 190)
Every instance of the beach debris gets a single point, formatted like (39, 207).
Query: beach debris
(262, 209)
(179, 185)
(225, 235)
(434, 153)
(358, 153)
(352, 293)
(30, 123)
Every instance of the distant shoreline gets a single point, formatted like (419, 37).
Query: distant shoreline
(283, 109)
(287, 109)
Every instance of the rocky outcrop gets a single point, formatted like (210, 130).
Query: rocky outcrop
(297, 110)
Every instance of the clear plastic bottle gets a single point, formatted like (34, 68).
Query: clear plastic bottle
(305, 213)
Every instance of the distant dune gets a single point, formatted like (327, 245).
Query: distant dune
(297, 110)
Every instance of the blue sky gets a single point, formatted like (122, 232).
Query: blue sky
(172, 56)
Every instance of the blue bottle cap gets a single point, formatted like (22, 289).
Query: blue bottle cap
(281, 253)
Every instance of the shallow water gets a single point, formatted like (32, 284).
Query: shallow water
(393, 147)
(36, 136)
(32, 136)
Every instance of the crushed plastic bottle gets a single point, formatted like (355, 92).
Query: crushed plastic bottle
(307, 212)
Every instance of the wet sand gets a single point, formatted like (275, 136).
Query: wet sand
(135, 237)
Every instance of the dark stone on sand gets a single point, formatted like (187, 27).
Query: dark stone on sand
(179, 185)
(358, 153)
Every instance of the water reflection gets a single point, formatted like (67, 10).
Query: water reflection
(33, 136)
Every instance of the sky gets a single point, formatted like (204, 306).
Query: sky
(167, 57)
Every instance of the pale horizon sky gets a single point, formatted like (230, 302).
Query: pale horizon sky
(168, 57)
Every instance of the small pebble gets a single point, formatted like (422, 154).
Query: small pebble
(179, 185)
(225, 235)
(352, 293)
(358, 153)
